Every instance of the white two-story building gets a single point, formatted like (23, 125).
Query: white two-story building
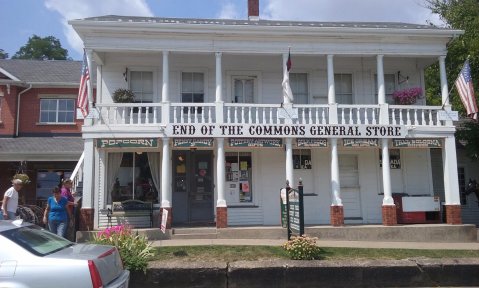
(211, 137)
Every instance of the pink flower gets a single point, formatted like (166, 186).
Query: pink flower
(407, 96)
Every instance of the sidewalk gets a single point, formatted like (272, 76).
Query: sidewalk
(321, 243)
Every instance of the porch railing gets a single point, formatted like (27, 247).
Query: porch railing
(77, 174)
(140, 114)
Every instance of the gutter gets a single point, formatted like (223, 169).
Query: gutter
(18, 109)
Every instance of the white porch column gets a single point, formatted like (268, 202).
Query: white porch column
(220, 172)
(386, 169)
(331, 92)
(165, 175)
(219, 80)
(380, 75)
(88, 174)
(165, 90)
(444, 88)
(335, 187)
(165, 97)
(289, 162)
(451, 182)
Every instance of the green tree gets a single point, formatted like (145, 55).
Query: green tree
(3, 54)
(464, 15)
(38, 48)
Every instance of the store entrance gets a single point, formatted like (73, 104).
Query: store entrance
(193, 180)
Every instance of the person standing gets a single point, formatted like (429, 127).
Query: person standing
(66, 192)
(10, 201)
(57, 214)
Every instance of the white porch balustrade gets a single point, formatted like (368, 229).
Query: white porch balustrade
(136, 114)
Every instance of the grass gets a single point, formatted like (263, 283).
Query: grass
(251, 253)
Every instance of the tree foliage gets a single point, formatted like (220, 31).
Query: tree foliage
(3, 54)
(464, 15)
(38, 48)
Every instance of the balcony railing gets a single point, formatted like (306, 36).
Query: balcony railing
(141, 114)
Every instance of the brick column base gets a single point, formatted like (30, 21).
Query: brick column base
(337, 215)
(453, 214)
(389, 215)
(86, 219)
(221, 217)
(170, 217)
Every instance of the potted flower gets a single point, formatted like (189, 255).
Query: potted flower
(123, 96)
(21, 176)
(407, 96)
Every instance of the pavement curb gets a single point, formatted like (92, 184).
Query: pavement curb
(418, 272)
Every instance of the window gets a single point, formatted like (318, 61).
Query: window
(192, 87)
(299, 87)
(57, 110)
(133, 179)
(141, 84)
(47, 180)
(239, 176)
(389, 85)
(343, 86)
(243, 90)
(302, 158)
(462, 184)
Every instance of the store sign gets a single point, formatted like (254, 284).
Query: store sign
(417, 143)
(295, 208)
(311, 142)
(394, 159)
(193, 142)
(360, 142)
(284, 130)
(127, 143)
(255, 142)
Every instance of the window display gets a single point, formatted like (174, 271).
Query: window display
(238, 177)
(302, 158)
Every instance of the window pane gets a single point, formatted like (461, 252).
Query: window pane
(198, 98)
(186, 82)
(135, 81)
(62, 105)
(238, 90)
(198, 83)
(186, 98)
(147, 82)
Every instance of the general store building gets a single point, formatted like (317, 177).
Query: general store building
(211, 138)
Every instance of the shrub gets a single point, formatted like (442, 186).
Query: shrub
(135, 250)
(24, 177)
(302, 248)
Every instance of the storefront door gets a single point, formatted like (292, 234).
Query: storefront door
(193, 184)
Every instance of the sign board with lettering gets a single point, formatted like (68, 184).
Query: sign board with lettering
(448, 115)
(311, 142)
(284, 208)
(127, 143)
(193, 142)
(284, 131)
(358, 142)
(417, 143)
(295, 207)
(255, 142)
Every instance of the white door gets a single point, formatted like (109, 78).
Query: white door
(349, 182)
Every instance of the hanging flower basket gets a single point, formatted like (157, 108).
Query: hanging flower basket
(407, 96)
(24, 177)
(123, 96)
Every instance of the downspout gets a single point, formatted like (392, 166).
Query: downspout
(18, 109)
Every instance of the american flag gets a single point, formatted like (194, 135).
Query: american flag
(82, 101)
(466, 90)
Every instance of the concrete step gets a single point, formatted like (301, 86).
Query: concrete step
(194, 233)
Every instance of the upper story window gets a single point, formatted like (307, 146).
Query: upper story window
(461, 175)
(299, 87)
(192, 87)
(389, 85)
(343, 86)
(141, 84)
(244, 88)
(57, 110)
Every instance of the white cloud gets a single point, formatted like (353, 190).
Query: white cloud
(409, 11)
(74, 9)
(228, 11)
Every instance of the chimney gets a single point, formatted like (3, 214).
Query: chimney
(253, 10)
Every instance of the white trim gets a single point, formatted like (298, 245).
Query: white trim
(3, 71)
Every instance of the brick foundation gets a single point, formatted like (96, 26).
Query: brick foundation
(337, 215)
(389, 215)
(86, 219)
(221, 217)
(453, 214)
(170, 217)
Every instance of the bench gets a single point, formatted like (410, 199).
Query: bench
(131, 208)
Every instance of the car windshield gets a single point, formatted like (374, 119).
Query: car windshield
(37, 240)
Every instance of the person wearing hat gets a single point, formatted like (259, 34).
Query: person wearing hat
(10, 201)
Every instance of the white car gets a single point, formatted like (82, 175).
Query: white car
(30, 256)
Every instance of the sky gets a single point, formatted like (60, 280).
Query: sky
(23, 18)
